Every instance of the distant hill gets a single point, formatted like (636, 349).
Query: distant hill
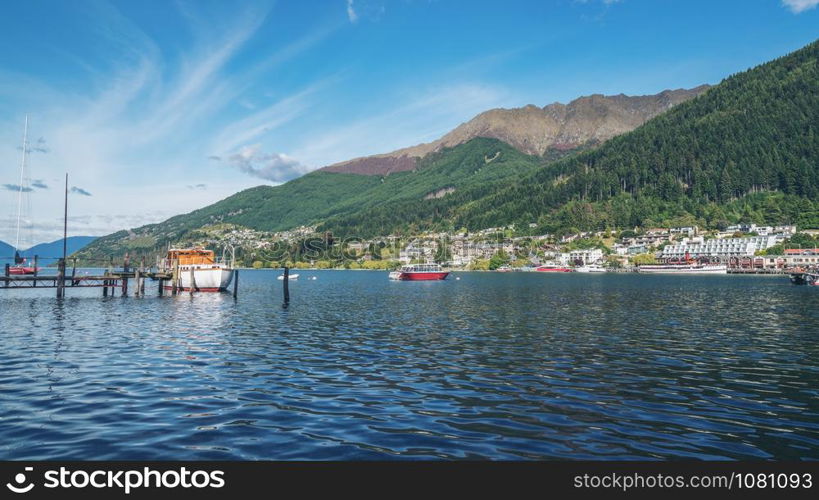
(584, 122)
(49, 253)
(479, 164)
(6, 253)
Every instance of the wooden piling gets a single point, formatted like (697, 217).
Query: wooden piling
(192, 284)
(74, 272)
(105, 288)
(161, 286)
(286, 287)
(60, 278)
(36, 258)
(124, 292)
(175, 277)
(7, 273)
(136, 280)
(235, 282)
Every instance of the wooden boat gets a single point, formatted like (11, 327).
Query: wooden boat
(197, 268)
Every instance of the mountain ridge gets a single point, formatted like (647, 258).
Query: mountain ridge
(583, 122)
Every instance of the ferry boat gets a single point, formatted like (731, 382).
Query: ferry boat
(419, 272)
(197, 268)
(591, 268)
(549, 268)
(684, 268)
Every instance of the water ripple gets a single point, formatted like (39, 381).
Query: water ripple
(515, 366)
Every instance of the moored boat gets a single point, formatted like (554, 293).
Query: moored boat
(800, 277)
(591, 268)
(684, 268)
(196, 268)
(291, 277)
(419, 272)
(548, 268)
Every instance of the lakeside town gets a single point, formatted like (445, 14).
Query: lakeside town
(742, 248)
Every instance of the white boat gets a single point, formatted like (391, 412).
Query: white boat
(684, 268)
(291, 277)
(591, 268)
(196, 268)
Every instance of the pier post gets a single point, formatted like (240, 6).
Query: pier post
(286, 287)
(124, 292)
(105, 287)
(60, 278)
(175, 277)
(193, 281)
(36, 258)
(7, 273)
(235, 281)
(136, 280)
(74, 271)
(161, 285)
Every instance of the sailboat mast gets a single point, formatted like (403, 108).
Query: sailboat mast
(20, 190)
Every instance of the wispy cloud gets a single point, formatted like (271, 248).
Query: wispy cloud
(81, 191)
(798, 6)
(39, 183)
(16, 188)
(351, 13)
(197, 186)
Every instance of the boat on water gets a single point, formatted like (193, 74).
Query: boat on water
(197, 268)
(683, 268)
(419, 272)
(800, 277)
(591, 268)
(504, 269)
(291, 277)
(553, 268)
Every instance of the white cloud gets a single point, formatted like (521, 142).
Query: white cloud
(275, 167)
(797, 6)
(351, 14)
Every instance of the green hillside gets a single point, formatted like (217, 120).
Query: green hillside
(748, 149)
(321, 195)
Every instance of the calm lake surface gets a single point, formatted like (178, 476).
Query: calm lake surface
(490, 366)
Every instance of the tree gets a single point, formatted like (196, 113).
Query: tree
(499, 259)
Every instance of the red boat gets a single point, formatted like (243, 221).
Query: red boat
(19, 267)
(19, 270)
(554, 269)
(420, 272)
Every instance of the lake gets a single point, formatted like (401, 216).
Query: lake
(503, 366)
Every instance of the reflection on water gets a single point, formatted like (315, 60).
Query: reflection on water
(500, 366)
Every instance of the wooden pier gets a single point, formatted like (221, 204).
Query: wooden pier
(110, 282)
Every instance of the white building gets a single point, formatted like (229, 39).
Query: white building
(586, 256)
(726, 247)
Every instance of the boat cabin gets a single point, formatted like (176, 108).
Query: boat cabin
(191, 256)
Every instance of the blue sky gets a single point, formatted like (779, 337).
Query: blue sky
(160, 107)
